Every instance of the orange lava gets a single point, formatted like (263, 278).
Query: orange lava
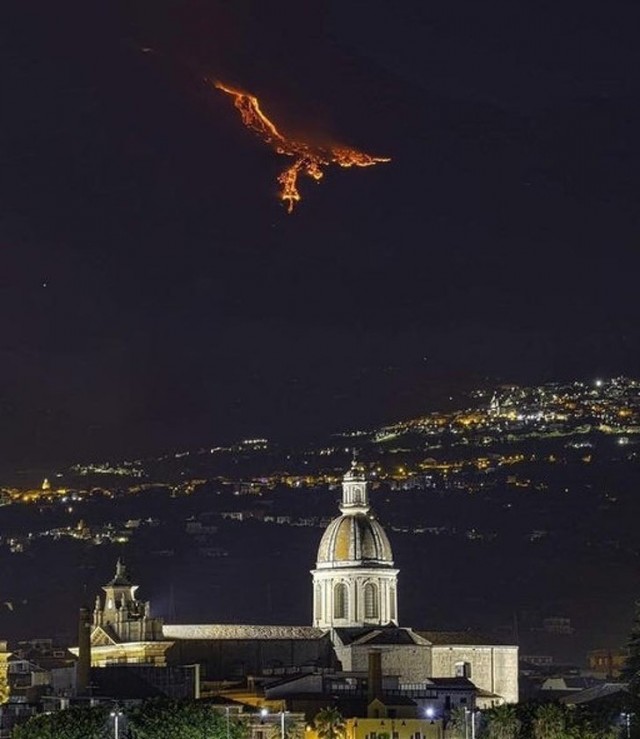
(308, 159)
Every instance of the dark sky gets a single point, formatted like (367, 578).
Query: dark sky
(154, 292)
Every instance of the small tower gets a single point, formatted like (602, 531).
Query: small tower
(123, 613)
(354, 490)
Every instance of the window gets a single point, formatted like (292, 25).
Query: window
(392, 603)
(370, 601)
(463, 669)
(340, 601)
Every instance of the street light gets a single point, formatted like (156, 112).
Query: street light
(626, 717)
(116, 715)
(471, 712)
(226, 710)
(265, 712)
(430, 713)
(283, 713)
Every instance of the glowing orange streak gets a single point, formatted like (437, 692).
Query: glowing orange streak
(309, 159)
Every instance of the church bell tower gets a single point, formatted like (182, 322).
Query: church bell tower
(122, 613)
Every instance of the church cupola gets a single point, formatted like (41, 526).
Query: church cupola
(354, 583)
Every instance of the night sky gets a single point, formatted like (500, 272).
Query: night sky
(154, 293)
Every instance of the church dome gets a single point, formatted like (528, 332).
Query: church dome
(354, 539)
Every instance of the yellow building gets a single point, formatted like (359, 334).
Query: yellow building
(388, 728)
(4, 672)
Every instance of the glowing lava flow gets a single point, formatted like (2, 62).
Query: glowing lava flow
(308, 159)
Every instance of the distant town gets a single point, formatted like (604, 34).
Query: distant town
(508, 444)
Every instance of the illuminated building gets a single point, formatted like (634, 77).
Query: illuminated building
(123, 630)
(355, 612)
(354, 583)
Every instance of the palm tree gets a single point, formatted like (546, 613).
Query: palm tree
(330, 724)
(549, 722)
(456, 725)
(503, 723)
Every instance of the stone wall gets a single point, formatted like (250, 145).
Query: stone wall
(491, 668)
(410, 662)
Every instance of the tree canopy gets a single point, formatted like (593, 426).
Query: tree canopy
(74, 723)
(167, 719)
(157, 719)
(329, 724)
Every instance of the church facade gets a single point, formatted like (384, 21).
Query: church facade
(355, 612)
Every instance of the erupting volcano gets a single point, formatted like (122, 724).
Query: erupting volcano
(308, 159)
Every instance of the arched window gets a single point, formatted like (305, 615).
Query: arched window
(392, 604)
(318, 603)
(340, 600)
(371, 601)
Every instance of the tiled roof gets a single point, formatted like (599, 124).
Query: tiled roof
(379, 636)
(462, 638)
(354, 538)
(453, 682)
(594, 693)
(240, 632)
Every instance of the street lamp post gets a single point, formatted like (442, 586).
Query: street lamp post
(116, 715)
(627, 722)
(226, 710)
(283, 714)
(264, 712)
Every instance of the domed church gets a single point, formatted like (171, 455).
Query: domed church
(354, 583)
(355, 612)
